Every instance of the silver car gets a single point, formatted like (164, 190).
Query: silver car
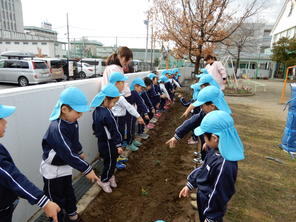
(24, 72)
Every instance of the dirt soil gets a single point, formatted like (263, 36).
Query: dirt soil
(148, 189)
(265, 189)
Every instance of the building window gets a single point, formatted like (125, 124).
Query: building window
(44, 43)
(0, 42)
(34, 43)
(16, 43)
(7, 43)
(25, 43)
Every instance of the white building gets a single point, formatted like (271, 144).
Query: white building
(41, 41)
(11, 15)
(285, 25)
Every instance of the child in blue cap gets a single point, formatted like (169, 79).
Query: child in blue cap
(215, 179)
(148, 99)
(123, 111)
(204, 81)
(62, 152)
(165, 94)
(209, 99)
(13, 184)
(137, 87)
(153, 89)
(106, 130)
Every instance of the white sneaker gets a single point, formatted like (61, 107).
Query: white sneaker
(112, 181)
(105, 186)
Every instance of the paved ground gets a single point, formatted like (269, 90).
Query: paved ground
(267, 101)
(7, 86)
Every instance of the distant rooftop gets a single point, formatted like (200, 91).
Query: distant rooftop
(87, 42)
(39, 29)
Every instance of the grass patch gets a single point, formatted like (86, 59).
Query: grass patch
(265, 190)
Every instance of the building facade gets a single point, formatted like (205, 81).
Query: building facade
(11, 15)
(285, 25)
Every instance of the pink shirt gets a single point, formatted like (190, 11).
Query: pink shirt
(218, 72)
(106, 75)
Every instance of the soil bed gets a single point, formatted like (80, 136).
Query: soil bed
(148, 189)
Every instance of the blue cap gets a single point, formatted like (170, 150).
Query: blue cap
(117, 77)
(200, 75)
(221, 124)
(163, 79)
(109, 90)
(72, 97)
(196, 89)
(214, 95)
(137, 81)
(151, 76)
(6, 111)
(204, 71)
(207, 78)
(175, 70)
(164, 72)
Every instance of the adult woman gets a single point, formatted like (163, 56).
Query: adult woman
(117, 62)
(217, 70)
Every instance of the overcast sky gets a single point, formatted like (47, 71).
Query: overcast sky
(103, 20)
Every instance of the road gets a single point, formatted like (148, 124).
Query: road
(7, 86)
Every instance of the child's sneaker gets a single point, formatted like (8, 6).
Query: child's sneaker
(67, 219)
(105, 186)
(112, 181)
(122, 159)
(124, 143)
(153, 120)
(158, 115)
(192, 142)
(150, 126)
(137, 143)
(120, 166)
(132, 147)
(144, 136)
(193, 204)
(198, 161)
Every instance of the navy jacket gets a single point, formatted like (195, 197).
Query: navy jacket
(157, 89)
(136, 99)
(153, 95)
(189, 125)
(147, 100)
(105, 127)
(61, 146)
(14, 184)
(169, 87)
(215, 180)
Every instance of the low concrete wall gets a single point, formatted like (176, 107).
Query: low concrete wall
(27, 126)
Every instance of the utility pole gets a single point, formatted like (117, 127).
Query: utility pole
(146, 22)
(151, 49)
(68, 54)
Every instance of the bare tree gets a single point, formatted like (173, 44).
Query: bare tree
(195, 26)
(242, 39)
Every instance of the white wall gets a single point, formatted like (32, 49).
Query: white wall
(29, 123)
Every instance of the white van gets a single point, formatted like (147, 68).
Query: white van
(24, 72)
(55, 67)
(98, 64)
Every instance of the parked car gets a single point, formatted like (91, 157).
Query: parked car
(24, 72)
(98, 64)
(55, 67)
(85, 70)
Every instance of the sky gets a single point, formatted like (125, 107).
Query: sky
(103, 20)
